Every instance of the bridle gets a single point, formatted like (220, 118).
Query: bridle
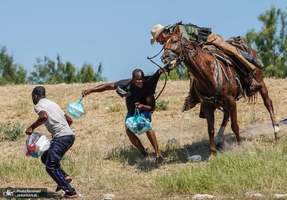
(160, 67)
(179, 58)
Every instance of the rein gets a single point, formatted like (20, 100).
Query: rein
(160, 67)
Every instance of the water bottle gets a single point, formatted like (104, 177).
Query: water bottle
(194, 158)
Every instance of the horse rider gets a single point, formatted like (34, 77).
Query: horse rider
(161, 34)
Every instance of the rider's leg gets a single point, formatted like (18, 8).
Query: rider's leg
(218, 41)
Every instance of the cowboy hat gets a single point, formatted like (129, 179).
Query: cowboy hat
(156, 30)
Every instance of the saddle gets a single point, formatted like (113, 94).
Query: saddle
(243, 48)
(242, 73)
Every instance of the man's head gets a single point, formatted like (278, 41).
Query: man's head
(159, 34)
(38, 93)
(138, 78)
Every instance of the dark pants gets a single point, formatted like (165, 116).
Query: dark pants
(52, 157)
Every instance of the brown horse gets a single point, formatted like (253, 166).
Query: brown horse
(216, 84)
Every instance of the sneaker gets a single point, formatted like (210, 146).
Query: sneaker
(68, 179)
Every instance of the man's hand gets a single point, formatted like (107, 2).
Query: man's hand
(85, 92)
(29, 131)
(139, 106)
(42, 118)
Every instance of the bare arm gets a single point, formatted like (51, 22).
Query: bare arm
(69, 119)
(99, 88)
(42, 118)
(149, 107)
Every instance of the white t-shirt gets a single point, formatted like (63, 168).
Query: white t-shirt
(56, 123)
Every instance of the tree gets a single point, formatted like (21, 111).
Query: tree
(20, 75)
(9, 71)
(44, 71)
(52, 72)
(271, 41)
(98, 75)
(70, 75)
(86, 73)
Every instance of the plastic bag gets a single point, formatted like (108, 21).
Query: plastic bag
(76, 109)
(36, 145)
(138, 123)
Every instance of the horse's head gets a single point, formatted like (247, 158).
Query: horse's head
(175, 48)
(172, 51)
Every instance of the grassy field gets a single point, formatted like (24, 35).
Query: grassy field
(102, 160)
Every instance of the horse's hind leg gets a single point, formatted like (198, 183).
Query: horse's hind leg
(269, 105)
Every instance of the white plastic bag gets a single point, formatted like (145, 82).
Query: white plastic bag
(37, 144)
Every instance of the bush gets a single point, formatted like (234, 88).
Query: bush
(162, 105)
(11, 131)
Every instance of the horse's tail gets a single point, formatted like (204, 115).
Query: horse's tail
(253, 98)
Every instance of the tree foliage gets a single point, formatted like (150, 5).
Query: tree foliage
(271, 41)
(10, 72)
(49, 71)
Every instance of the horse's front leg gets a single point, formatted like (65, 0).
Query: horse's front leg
(233, 116)
(208, 110)
(220, 133)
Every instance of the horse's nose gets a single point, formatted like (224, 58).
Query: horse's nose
(168, 57)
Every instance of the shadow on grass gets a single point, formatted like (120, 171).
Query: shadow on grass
(172, 153)
(128, 155)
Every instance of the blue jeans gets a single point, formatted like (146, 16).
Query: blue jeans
(52, 157)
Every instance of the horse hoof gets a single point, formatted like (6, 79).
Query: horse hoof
(211, 157)
(276, 129)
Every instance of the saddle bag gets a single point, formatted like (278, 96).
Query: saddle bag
(245, 50)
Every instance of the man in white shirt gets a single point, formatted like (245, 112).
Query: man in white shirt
(58, 124)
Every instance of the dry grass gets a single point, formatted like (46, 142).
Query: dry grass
(101, 159)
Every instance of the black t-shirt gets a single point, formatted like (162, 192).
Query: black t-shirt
(134, 94)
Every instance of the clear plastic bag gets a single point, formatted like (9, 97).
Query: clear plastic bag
(36, 145)
(138, 123)
(76, 109)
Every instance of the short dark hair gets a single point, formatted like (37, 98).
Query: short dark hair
(39, 91)
(137, 71)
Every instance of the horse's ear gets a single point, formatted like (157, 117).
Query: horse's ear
(177, 31)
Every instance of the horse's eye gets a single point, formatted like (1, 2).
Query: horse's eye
(174, 39)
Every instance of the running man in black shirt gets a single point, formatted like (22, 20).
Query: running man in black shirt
(139, 93)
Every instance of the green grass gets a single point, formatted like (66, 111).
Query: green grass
(162, 105)
(29, 169)
(11, 131)
(234, 173)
